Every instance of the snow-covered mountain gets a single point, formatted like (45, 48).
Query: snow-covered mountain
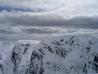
(66, 54)
(8, 47)
(21, 55)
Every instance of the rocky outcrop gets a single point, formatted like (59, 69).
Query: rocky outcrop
(20, 57)
(77, 54)
(65, 55)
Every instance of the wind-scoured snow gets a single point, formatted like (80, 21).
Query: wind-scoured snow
(66, 54)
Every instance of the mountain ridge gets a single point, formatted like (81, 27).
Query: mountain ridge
(65, 54)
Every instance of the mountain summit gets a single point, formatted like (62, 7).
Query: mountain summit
(67, 54)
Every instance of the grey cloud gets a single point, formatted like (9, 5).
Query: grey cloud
(31, 30)
(11, 22)
(17, 19)
(2, 38)
(36, 21)
(4, 31)
(83, 22)
(38, 31)
(50, 20)
(10, 25)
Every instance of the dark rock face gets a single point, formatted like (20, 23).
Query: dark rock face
(27, 46)
(95, 63)
(19, 51)
(36, 64)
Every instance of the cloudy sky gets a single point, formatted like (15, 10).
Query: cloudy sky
(39, 19)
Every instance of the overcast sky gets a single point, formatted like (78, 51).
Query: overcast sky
(38, 19)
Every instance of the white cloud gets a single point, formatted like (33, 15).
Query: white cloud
(64, 8)
(78, 8)
(33, 4)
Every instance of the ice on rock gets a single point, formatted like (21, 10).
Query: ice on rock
(64, 55)
(21, 55)
(67, 54)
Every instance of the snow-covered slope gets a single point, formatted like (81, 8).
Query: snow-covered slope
(6, 48)
(20, 47)
(66, 54)
(21, 55)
